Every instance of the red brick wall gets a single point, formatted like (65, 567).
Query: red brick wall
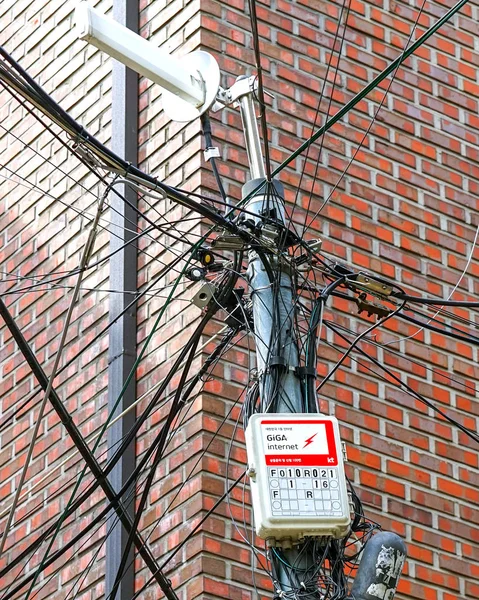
(406, 209)
(46, 211)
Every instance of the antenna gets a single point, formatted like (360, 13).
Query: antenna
(190, 84)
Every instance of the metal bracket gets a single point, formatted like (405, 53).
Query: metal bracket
(316, 245)
(303, 262)
(241, 87)
(372, 285)
(204, 295)
(269, 233)
(345, 451)
(372, 308)
(227, 241)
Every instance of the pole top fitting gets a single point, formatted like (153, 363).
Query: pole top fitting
(259, 186)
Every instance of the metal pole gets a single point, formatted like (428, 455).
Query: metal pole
(272, 296)
(251, 134)
(123, 276)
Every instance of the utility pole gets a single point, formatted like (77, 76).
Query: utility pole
(277, 357)
(191, 87)
(272, 304)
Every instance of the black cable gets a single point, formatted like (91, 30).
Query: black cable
(114, 161)
(66, 545)
(143, 215)
(174, 410)
(212, 358)
(437, 302)
(443, 317)
(176, 405)
(83, 448)
(54, 111)
(192, 532)
(206, 126)
(373, 120)
(259, 71)
(471, 339)
(93, 341)
(356, 341)
(425, 325)
(333, 87)
(397, 353)
(312, 339)
(185, 396)
(53, 281)
(153, 225)
(81, 135)
(87, 493)
(472, 434)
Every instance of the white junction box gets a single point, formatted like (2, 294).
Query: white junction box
(296, 470)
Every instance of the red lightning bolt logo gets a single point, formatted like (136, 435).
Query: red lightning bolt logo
(309, 440)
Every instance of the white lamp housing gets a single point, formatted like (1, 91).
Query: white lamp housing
(190, 83)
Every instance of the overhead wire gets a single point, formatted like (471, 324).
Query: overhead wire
(372, 84)
(141, 465)
(462, 336)
(437, 301)
(464, 271)
(353, 344)
(391, 351)
(330, 102)
(83, 213)
(83, 348)
(190, 535)
(410, 390)
(373, 120)
(259, 74)
(363, 332)
(178, 401)
(103, 515)
(209, 364)
(173, 412)
(161, 580)
(86, 254)
(41, 100)
(49, 561)
(92, 436)
(87, 455)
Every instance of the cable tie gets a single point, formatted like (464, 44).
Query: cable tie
(211, 152)
(303, 372)
(278, 361)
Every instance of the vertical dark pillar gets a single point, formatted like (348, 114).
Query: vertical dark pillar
(123, 276)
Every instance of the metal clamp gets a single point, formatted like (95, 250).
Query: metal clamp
(227, 241)
(372, 285)
(211, 152)
(243, 86)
